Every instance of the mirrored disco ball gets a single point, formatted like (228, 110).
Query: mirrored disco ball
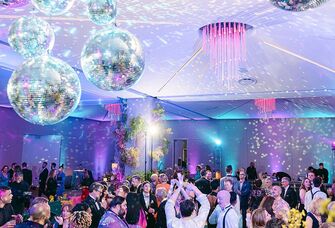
(113, 59)
(13, 3)
(102, 12)
(44, 90)
(53, 7)
(297, 5)
(31, 36)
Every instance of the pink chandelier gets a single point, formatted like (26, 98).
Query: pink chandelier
(114, 112)
(266, 106)
(225, 44)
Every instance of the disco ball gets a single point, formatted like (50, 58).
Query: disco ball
(113, 59)
(53, 7)
(31, 36)
(44, 90)
(297, 5)
(102, 12)
(13, 3)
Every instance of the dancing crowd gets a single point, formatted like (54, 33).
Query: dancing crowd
(172, 198)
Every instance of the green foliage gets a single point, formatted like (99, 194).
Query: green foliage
(136, 127)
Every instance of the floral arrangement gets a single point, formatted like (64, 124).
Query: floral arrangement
(328, 208)
(136, 126)
(130, 156)
(295, 218)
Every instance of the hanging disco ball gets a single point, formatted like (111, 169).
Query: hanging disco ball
(13, 3)
(53, 7)
(102, 12)
(31, 36)
(113, 59)
(44, 90)
(297, 5)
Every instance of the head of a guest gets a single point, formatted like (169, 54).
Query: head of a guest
(17, 168)
(119, 206)
(135, 181)
(241, 174)
(80, 219)
(18, 177)
(258, 183)
(317, 182)
(13, 165)
(215, 185)
(44, 164)
(154, 178)
(228, 185)
(96, 190)
(53, 165)
(321, 166)
(311, 175)
(187, 208)
(24, 165)
(259, 218)
(268, 183)
(5, 195)
(163, 178)
(198, 168)
(82, 207)
(223, 198)
(252, 164)
(229, 169)
(161, 194)
(52, 173)
(208, 174)
(122, 191)
(267, 203)
(305, 184)
(275, 223)
(276, 191)
(5, 169)
(39, 210)
(146, 187)
(285, 181)
(61, 168)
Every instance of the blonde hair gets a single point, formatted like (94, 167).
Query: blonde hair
(161, 193)
(258, 218)
(315, 206)
(80, 219)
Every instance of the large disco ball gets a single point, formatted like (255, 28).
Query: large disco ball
(13, 3)
(102, 12)
(297, 5)
(53, 7)
(31, 36)
(113, 59)
(44, 90)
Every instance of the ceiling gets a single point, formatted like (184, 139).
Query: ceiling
(291, 55)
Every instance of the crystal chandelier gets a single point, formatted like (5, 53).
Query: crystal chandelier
(225, 45)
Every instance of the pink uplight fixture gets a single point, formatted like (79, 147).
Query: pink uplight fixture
(114, 112)
(266, 106)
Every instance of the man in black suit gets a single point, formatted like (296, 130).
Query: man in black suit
(43, 179)
(244, 191)
(27, 174)
(11, 172)
(323, 173)
(149, 204)
(204, 183)
(93, 201)
(288, 193)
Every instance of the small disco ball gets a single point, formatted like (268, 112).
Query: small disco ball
(102, 12)
(31, 36)
(44, 90)
(113, 59)
(297, 5)
(53, 7)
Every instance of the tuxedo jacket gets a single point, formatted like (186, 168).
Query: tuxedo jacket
(152, 204)
(291, 197)
(43, 177)
(245, 193)
(97, 213)
(27, 176)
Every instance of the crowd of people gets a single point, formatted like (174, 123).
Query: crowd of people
(169, 199)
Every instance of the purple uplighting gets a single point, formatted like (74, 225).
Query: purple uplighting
(13, 3)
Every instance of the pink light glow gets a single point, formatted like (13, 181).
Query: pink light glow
(225, 44)
(266, 106)
(114, 111)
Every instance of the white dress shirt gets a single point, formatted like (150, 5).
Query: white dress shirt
(317, 194)
(191, 222)
(231, 220)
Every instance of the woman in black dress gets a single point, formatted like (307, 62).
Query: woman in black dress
(51, 184)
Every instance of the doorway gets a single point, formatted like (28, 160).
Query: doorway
(180, 155)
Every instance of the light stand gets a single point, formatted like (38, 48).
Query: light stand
(145, 155)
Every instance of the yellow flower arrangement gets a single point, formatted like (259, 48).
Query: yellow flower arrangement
(295, 218)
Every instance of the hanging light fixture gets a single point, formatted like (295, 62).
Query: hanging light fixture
(225, 45)
(266, 106)
(113, 112)
(297, 5)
